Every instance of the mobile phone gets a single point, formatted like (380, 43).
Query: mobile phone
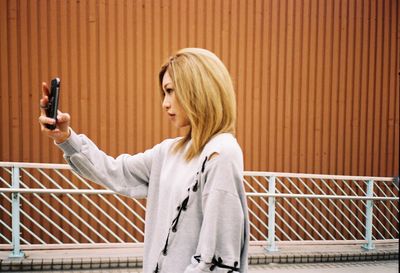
(52, 105)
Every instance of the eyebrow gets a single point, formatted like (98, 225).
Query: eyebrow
(167, 85)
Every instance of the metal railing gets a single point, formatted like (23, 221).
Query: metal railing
(49, 204)
(322, 207)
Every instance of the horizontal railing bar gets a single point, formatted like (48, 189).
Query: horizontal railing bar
(281, 195)
(318, 196)
(80, 246)
(129, 245)
(317, 176)
(28, 165)
(246, 173)
(56, 191)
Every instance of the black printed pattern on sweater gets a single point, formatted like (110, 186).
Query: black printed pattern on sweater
(182, 207)
(157, 269)
(219, 263)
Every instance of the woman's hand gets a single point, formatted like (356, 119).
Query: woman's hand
(61, 133)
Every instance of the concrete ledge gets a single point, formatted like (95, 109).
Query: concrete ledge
(329, 252)
(131, 255)
(69, 264)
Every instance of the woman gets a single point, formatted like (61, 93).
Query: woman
(196, 219)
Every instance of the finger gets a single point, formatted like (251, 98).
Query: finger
(45, 89)
(45, 98)
(43, 128)
(45, 120)
(63, 117)
(51, 133)
(43, 104)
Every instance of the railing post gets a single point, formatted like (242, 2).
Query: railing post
(15, 207)
(271, 216)
(368, 216)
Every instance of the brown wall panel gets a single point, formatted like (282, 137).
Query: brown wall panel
(317, 82)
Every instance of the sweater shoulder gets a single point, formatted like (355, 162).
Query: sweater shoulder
(167, 144)
(225, 145)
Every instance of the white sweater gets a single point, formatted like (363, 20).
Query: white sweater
(196, 219)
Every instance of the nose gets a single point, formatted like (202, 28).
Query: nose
(166, 104)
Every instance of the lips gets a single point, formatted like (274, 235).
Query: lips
(171, 116)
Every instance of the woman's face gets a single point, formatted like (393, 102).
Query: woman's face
(170, 104)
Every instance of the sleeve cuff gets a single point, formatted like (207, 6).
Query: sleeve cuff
(72, 145)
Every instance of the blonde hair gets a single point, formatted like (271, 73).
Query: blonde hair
(204, 89)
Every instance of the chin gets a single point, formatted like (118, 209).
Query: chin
(181, 126)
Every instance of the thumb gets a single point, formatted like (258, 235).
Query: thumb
(63, 117)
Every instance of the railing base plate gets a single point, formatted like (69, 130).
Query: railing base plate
(368, 246)
(17, 255)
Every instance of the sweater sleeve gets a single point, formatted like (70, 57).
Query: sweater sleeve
(126, 174)
(223, 231)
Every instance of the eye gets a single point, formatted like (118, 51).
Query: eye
(169, 90)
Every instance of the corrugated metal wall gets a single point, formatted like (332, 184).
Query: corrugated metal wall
(317, 81)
